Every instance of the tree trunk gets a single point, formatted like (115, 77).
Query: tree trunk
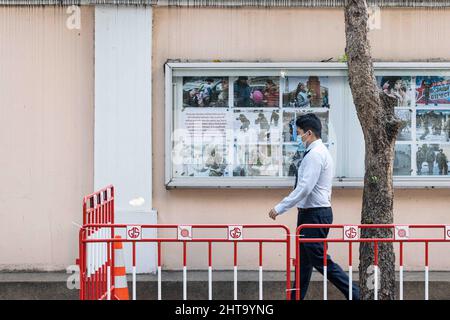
(380, 126)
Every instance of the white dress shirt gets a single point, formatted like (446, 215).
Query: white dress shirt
(315, 177)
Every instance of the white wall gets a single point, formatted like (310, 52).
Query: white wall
(123, 114)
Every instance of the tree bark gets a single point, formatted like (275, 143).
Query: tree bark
(375, 111)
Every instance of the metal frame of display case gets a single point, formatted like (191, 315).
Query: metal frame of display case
(176, 69)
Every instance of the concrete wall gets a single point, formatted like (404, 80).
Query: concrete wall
(46, 134)
(283, 35)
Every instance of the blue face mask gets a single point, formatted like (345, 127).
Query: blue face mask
(301, 144)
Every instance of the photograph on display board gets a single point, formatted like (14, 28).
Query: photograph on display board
(397, 87)
(292, 156)
(433, 159)
(402, 160)
(256, 126)
(205, 92)
(324, 119)
(405, 130)
(432, 91)
(306, 92)
(200, 160)
(256, 160)
(290, 129)
(433, 125)
(256, 92)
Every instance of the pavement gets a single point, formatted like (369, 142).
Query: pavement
(53, 285)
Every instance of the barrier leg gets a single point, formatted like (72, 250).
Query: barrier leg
(134, 270)
(159, 270)
(426, 283)
(401, 270)
(184, 273)
(108, 282)
(297, 269)
(235, 282)
(350, 272)
(401, 282)
(325, 280)
(260, 272)
(184, 283)
(325, 275)
(210, 283)
(108, 271)
(350, 281)
(235, 270)
(375, 293)
(159, 282)
(426, 271)
(134, 282)
(260, 283)
(210, 270)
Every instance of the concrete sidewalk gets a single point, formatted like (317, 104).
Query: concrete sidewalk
(53, 285)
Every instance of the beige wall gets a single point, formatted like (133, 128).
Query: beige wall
(46, 134)
(283, 35)
(47, 118)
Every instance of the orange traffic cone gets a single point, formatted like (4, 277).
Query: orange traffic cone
(120, 276)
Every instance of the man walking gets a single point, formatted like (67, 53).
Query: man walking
(431, 157)
(312, 197)
(441, 159)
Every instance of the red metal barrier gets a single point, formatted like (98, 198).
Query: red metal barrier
(185, 233)
(96, 240)
(98, 208)
(350, 235)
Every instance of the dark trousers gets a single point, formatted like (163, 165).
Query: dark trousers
(311, 254)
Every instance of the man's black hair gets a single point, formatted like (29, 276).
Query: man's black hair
(310, 122)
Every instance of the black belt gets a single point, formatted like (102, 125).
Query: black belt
(311, 210)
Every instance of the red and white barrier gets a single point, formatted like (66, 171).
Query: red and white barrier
(350, 235)
(184, 236)
(98, 208)
(97, 236)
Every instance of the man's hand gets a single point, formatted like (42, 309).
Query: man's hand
(273, 214)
